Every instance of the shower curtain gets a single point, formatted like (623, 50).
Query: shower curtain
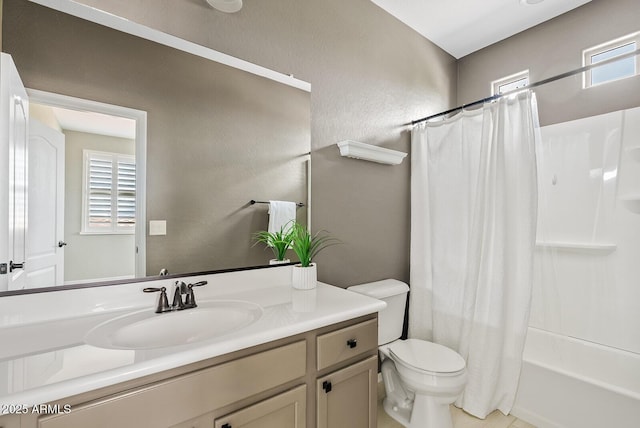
(473, 221)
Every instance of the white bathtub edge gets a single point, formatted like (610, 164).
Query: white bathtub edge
(594, 395)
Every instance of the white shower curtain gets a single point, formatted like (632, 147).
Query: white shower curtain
(473, 220)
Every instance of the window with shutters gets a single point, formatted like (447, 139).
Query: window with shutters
(109, 193)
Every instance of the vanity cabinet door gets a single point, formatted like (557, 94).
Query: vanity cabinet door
(10, 421)
(347, 398)
(286, 410)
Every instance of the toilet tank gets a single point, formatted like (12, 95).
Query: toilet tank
(391, 318)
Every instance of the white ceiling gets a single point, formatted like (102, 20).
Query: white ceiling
(95, 123)
(461, 27)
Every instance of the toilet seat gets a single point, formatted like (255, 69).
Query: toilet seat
(426, 357)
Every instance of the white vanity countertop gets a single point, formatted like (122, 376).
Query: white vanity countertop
(44, 357)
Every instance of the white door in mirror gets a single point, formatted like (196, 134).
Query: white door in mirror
(45, 237)
(14, 117)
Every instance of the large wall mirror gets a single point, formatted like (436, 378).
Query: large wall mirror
(216, 137)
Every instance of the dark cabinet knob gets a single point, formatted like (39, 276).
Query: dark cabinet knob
(352, 343)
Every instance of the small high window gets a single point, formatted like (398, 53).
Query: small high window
(109, 194)
(616, 70)
(510, 83)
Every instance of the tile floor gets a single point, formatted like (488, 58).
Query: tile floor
(460, 418)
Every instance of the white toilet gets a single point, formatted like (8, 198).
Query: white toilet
(421, 378)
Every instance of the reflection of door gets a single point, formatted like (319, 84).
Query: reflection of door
(45, 238)
(14, 113)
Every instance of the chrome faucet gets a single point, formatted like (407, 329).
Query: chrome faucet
(178, 304)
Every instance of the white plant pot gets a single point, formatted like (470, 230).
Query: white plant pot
(279, 262)
(304, 278)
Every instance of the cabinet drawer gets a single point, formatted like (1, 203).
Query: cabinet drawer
(179, 399)
(347, 342)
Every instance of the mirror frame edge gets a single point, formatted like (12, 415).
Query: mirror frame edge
(118, 23)
(136, 280)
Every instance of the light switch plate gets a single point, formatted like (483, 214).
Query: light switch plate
(157, 227)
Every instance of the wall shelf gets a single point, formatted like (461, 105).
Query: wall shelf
(358, 150)
(577, 247)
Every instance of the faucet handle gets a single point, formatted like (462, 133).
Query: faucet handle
(163, 300)
(198, 284)
(190, 301)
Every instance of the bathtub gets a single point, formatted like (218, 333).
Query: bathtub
(572, 383)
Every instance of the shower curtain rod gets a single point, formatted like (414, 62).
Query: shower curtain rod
(529, 86)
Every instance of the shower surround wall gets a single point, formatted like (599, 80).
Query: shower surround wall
(583, 344)
(589, 230)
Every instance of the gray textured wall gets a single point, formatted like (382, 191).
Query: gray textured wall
(555, 47)
(370, 74)
(217, 137)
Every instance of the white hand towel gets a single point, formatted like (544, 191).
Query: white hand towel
(281, 213)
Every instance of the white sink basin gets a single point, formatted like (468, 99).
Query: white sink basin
(147, 330)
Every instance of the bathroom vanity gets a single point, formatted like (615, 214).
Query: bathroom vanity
(309, 360)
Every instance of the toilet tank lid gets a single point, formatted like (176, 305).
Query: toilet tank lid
(381, 289)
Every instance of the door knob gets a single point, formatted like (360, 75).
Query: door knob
(61, 244)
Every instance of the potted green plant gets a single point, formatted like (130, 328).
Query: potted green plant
(279, 242)
(307, 246)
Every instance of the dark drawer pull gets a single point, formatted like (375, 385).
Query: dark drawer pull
(226, 426)
(352, 343)
(13, 266)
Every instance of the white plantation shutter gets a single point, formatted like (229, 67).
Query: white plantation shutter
(126, 198)
(109, 193)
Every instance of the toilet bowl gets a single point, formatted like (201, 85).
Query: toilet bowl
(421, 378)
(431, 377)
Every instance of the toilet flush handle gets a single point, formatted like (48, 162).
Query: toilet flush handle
(352, 343)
